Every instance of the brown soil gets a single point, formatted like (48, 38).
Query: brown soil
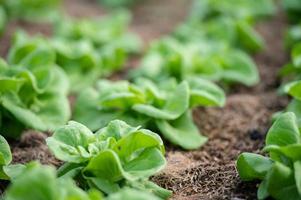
(209, 172)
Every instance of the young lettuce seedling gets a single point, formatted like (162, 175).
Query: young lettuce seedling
(41, 182)
(207, 59)
(165, 106)
(115, 157)
(280, 172)
(33, 91)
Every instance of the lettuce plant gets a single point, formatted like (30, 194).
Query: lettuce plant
(227, 21)
(116, 156)
(238, 9)
(165, 106)
(88, 49)
(41, 182)
(207, 59)
(111, 31)
(238, 33)
(33, 90)
(279, 173)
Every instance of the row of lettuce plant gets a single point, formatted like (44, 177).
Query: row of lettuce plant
(113, 156)
(116, 161)
(279, 170)
(175, 74)
(38, 72)
(213, 44)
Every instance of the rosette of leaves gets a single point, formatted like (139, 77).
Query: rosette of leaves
(226, 21)
(40, 182)
(106, 32)
(33, 90)
(237, 9)
(207, 59)
(88, 49)
(279, 172)
(165, 106)
(237, 33)
(116, 156)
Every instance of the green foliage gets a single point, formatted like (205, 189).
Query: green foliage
(238, 9)
(32, 10)
(87, 49)
(40, 182)
(280, 172)
(207, 59)
(164, 106)
(226, 21)
(116, 156)
(33, 90)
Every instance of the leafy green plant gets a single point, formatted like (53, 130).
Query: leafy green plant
(280, 172)
(164, 106)
(88, 49)
(116, 156)
(226, 21)
(111, 30)
(40, 182)
(207, 59)
(33, 90)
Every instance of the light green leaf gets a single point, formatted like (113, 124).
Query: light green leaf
(297, 173)
(174, 107)
(252, 166)
(70, 143)
(106, 166)
(248, 37)
(205, 93)
(182, 132)
(146, 164)
(281, 183)
(5, 153)
(294, 89)
(239, 67)
(132, 194)
(284, 131)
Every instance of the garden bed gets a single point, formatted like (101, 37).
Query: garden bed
(241, 126)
